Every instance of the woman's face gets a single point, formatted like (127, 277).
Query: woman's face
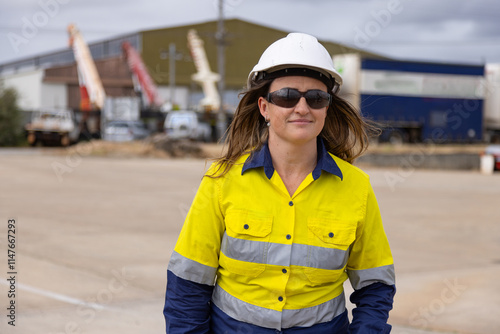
(299, 124)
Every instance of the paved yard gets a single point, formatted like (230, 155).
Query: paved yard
(94, 235)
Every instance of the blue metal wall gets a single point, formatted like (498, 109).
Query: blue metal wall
(442, 120)
(420, 67)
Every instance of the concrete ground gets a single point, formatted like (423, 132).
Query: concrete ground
(94, 236)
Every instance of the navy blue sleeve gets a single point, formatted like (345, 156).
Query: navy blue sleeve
(187, 306)
(373, 303)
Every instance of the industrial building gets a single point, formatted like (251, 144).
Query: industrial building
(51, 80)
(425, 101)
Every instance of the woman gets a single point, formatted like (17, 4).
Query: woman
(283, 219)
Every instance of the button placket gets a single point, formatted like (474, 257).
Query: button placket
(291, 204)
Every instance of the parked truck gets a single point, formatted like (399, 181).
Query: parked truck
(418, 102)
(52, 127)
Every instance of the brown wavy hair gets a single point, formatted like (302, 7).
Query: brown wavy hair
(345, 133)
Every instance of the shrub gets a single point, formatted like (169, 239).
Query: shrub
(11, 121)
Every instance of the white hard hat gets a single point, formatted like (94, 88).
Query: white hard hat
(295, 51)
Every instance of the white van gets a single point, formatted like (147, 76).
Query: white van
(185, 124)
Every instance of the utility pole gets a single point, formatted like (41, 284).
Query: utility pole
(171, 69)
(173, 56)
(220, 37)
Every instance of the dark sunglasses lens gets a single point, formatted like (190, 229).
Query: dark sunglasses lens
(317, 99)
(286, 98)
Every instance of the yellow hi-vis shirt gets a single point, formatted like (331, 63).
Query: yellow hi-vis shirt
(280, 261)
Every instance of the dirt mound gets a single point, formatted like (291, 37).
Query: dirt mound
(176, 148)
(157, 146)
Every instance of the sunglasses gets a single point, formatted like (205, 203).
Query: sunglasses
(289, 97)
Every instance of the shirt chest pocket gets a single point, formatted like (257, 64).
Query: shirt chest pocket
(245, 243)
(329, 240)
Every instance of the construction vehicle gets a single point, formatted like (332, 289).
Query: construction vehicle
(143, 83)
(204, 75)
(52, 127)
(200, 124)
(417, 101)
(152, 106)
(97, 109)
(92, 94)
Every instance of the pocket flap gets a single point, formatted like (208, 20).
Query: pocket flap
(332, 231)
(249, 223)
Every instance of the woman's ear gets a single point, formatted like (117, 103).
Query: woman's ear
(263, 107)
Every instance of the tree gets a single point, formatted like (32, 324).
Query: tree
(11, 118)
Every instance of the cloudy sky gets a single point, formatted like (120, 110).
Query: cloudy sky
(460, 31)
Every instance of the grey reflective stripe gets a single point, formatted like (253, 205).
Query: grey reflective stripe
(260, 316)
(284, 255)
(244, 250)
(245, 312)
(191, 270)
(280, 254)
(321, 257)
(314, 315)
(361, 278)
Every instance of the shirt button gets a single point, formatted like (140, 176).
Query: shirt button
(288, 236)
(280, 298)
(290, 203)
(330, 234)
(284, 271)
(246, 226)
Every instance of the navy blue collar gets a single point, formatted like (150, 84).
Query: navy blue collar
(262, 158)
